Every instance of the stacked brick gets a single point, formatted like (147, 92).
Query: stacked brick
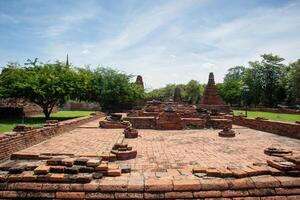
(60, 170)
(259, 187)
(168, 120)
(288, 164)
(123, 152)
(130, 132)
(211, 99)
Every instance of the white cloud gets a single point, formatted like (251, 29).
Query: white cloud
(154, 44)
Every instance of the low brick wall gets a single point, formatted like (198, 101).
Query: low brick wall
(11, 142)
(280, 128)
(142, 122)
(274, 110)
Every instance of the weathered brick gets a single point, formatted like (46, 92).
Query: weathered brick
(70, 195)
(287, 191)
(241, 183)
(99, 195)
(129, 195)
(178, 195)
(262, 192)
(158, 185)
(150, 195)
(186, 184)
(213, 184)
(286, 181)
(235, 193)
(43, 169)
(207, 194)
(265, 182)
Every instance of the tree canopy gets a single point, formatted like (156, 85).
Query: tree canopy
(51, 84)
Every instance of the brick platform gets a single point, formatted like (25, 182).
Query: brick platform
(163, 167)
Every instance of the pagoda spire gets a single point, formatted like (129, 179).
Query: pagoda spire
(67, 61)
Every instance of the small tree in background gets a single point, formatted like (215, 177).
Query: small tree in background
(44, 84)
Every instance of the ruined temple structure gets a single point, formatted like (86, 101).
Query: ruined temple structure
(18, 107)
(177, 115)
(174, 116)
(139, 81)
(211, 99)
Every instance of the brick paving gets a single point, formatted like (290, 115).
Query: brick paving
(162, 150)
(162, 168)
(80, 142)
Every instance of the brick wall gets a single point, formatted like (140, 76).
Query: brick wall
(280, 128)
(274, 110)
(11, 142)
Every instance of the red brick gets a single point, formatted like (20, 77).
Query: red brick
(241, 183)
(261, 192)
(235, 193)
(186, 184)
(136, 184)
(158, 185)
(286, 181)
(287, 191)
(265, 182)
(102, 167)
(207, 194)
(149, 195)
(70, 195)
(108, 185)
(131, 195)
(213, 184)
(57, 178)
(99, 195)
(43, 169)
(274, 198)
(178, 195)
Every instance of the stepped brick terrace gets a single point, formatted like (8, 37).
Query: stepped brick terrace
(169, 164)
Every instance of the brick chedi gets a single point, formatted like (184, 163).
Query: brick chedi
(139, 81)
(211, 99)
(177, 95)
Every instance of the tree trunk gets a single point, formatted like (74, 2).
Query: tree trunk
(46, 113)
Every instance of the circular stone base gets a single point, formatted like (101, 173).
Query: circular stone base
(229, 133)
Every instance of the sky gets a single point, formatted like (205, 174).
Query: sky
(164, 41)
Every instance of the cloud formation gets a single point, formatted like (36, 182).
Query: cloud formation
(164, 41)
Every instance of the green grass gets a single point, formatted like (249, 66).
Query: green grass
(272, 116)
(38, 120)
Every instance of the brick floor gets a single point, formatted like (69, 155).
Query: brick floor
(81, 142)
(161, 150)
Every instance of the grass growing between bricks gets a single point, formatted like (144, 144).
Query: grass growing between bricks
(38, 120)
(271, 116)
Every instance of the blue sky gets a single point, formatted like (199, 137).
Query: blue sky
(164, 41)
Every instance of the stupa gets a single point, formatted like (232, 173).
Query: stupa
(211, 99)
(139, 81)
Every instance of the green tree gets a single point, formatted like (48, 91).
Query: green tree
(231, 89)
(44, 84)
(272, 68)
(194, 91)
(293, 82)
(112, 88)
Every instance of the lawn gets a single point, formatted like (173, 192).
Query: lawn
(38, 120)
(272, 116)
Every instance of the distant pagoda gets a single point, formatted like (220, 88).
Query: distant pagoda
(211, 99)
(139, 81)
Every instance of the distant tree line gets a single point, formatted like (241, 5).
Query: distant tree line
(190, 92)
(50, 84)
(267, 82)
